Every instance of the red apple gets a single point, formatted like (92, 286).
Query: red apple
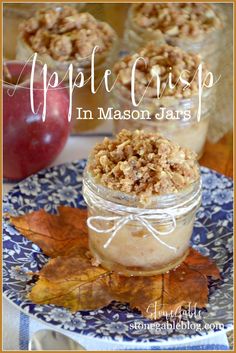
(30, 144)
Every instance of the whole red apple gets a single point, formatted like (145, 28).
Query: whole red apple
(29, 143)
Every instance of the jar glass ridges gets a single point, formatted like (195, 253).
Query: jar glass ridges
(133, 249)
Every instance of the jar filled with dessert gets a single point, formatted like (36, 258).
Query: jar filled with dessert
(194, 27)
(63, 37)
(142, 193)
(13, 15)
(166, 85)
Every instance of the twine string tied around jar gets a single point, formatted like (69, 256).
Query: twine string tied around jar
(144, 217)
(121, 221)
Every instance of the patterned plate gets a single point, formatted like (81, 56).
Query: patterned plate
(62, 184)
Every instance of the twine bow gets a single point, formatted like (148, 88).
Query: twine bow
(121, 221)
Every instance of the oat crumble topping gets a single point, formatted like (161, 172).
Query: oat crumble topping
(177, 19)
(161, 61)
(144, 164)
(65, 34)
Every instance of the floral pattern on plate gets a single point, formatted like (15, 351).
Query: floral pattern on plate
(212, 236)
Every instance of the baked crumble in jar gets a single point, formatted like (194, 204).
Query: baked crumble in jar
(142, 192)
(13, 15)
(62, 36)
(171, 111)
(194, 27)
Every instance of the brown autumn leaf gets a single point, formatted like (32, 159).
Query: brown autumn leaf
(57, 235)
(70, 280)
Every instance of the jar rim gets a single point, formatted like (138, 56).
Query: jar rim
(161, 201)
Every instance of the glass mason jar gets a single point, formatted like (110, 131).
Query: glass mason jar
(13, 15)
(82, 97)
(133, 240)
(208, 46)
(136, 37)
(189, 133)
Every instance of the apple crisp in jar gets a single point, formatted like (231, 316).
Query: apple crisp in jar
(142, 193)
(194, 27)
(171, 109)
(63, 36)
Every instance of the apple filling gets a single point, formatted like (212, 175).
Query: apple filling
(134, 251)
(135, 187)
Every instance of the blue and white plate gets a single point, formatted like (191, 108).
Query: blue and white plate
(61, 185)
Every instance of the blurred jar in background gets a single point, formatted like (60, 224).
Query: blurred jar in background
(175, 113)
(108, 12)
(13, 15)
(194, 27)
(61, 37)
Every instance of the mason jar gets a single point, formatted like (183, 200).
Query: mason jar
(136, 37)
(82, 97)
(13, 15)
(136, 240)
(187, 132)
(209, 45)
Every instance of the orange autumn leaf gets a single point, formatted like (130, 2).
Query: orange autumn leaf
(62, 234)
(70, 280)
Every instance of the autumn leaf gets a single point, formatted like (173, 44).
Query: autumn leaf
(57, 235)
(73, 283)
(70, 280)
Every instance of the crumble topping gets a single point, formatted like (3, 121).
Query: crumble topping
(177, 19)
(161, 62)
(144, 164)
(65, 34)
